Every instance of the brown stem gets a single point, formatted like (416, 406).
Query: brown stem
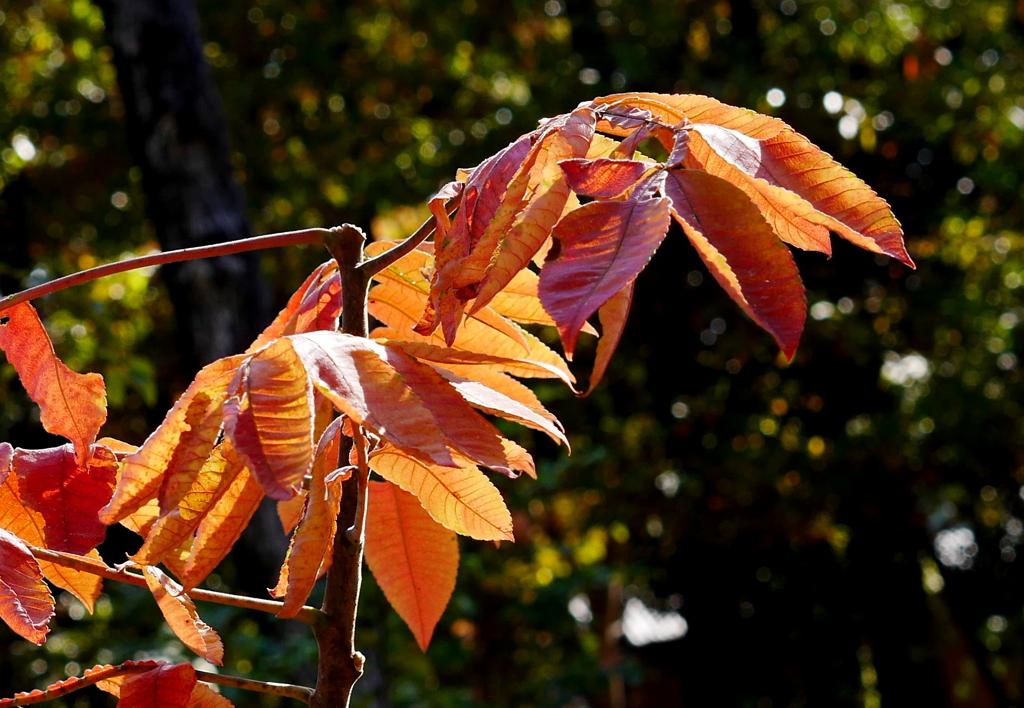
(289, 238)
(299, 693)
(307, 615)
(375, 265)
(357, 531)
(340, 664)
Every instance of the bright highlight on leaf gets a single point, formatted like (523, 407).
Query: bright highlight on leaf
(414, 559)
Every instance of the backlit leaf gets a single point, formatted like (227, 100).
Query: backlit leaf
(603, 178)
(604, 244)
(205, 697)
(314, 535)
(613, 316)
(26, 604)
(269, 418)
(741, 252)
(180, 613)
(6, 456)
(459, 498)
(142, 473)
(67, 494)
(315, 305)
(221, 528)
(414, 559)
(166, 686)
(27, 524)
(70, 404)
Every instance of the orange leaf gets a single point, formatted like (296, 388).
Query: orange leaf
(67, 494)
(414, 559)
(545, 197)
(173, 528)
(142, 473)
(613, 316)
(604, 244)
(603, 178)
(671, 109)
(27, 524)
(520, 301)
(180, 613)
(314, 536)
(221, 527)
(166, 686)
(205, 697)
(204, 418)
(106, 677)
(741, 252)
(71, 405)
(290, 511)
(461, 498)
(269, 418)
(356, 374)
(26, 604)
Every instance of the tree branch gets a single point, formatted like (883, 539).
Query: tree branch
(288, 238)
(357, 532)
(375, 265)
(307, 615)
(299, 693)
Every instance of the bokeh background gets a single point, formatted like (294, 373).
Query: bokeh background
(729, 530)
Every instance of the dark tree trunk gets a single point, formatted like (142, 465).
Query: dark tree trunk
(178, 136)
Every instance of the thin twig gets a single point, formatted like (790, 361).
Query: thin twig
(288, 238)
(375, 265)
(307, 615)
(357, 531)
(299, 693)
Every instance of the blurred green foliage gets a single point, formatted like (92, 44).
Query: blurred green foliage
(839, 531)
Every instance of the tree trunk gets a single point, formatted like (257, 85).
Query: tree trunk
(178, 136)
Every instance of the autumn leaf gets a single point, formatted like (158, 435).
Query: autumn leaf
(603, 245)
(164, 686)
(180, 613)
(461, 498)
(613, 316)
(414, 559)
(315, 305)
(171, 529)
(741, 252)
(221, 527)
(143, 473)
(107, 677)
(205, 697)
(269, 418)
(67, 493)
(27, 524)
(71, 405)
(314, 535)
(26, 604)
(6, 456)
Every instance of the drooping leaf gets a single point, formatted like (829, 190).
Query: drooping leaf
(173, 528)
(603, 178)
(142, 473)
(26, 605)
(67, 494)
(414, 559)
(221, 528)
(459, 498)
(613, 316)
(290, 511)
(6, 456)
(544, 198)
(165, 686)
(314, 535)
(204, 418)
(71, 405)
(604, 244)
(269, 418)
(181, 616)
(205, 697)
(520, 302)
(741, 252)
(27, 524)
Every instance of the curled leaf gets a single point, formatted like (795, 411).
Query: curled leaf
(180, 613)
(26, 604)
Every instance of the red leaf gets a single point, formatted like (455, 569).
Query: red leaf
(67, 494)
(27, 524)
(613, 316)
(315, 305)
(604, 244)
(6, 455)
(26, 604)
(741, 252)
(166, 686)
(70, 404)
(603, 178)
(269, 418)
(205, 697)
(414, 559)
